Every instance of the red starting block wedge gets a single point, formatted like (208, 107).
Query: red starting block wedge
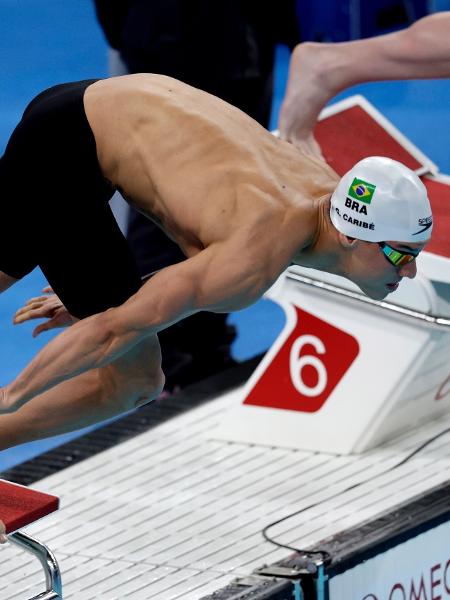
(21, 506)
(353, 128)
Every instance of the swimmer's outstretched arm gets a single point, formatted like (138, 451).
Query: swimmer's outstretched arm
(93, 396)
(318, 72)
(221, 278)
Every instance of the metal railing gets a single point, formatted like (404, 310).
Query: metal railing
(48, 561)
(438, 321)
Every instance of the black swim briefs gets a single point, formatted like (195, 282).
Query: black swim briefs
(54, 209)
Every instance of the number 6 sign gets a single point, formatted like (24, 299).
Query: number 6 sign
(308, 366)
(297, 361)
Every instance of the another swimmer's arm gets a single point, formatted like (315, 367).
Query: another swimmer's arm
(220, 278)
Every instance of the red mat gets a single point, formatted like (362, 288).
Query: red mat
(352, 134)
(20, 506)
(439, 195)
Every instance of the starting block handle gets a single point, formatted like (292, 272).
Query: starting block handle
(48, 562)
(438, 321)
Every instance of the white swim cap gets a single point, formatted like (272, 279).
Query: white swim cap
(380, 199)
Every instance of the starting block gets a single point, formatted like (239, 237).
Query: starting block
(348, 373)
(352, 129)
(21, 506)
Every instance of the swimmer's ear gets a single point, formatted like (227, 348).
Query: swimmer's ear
(347, 242)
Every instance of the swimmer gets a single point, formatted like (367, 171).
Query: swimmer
(317, 71)
(241, 204)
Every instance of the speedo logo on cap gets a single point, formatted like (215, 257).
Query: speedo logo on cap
(425, 223)
(361, 190)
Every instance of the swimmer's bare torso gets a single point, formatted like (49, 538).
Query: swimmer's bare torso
(241, 203)
(207, 173)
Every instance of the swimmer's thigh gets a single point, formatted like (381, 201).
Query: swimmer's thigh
(87, 260)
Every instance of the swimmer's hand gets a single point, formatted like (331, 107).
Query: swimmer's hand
(3, 537)
(47, 307)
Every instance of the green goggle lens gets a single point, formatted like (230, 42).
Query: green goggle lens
(396, 257)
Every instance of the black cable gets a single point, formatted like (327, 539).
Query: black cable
(419, 449)
(326, 556)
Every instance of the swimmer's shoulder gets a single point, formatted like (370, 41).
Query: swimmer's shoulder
(163, 101)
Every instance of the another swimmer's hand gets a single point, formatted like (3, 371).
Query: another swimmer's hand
(45, 307)
(3, 537)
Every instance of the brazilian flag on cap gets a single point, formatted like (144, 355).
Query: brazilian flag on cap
(361, 190)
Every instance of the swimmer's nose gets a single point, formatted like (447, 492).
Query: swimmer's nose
(409, 270)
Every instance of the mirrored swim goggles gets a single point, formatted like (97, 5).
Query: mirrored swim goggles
(397, 257)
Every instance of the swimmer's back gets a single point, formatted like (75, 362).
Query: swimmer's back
(179, 153)
(183, 122)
